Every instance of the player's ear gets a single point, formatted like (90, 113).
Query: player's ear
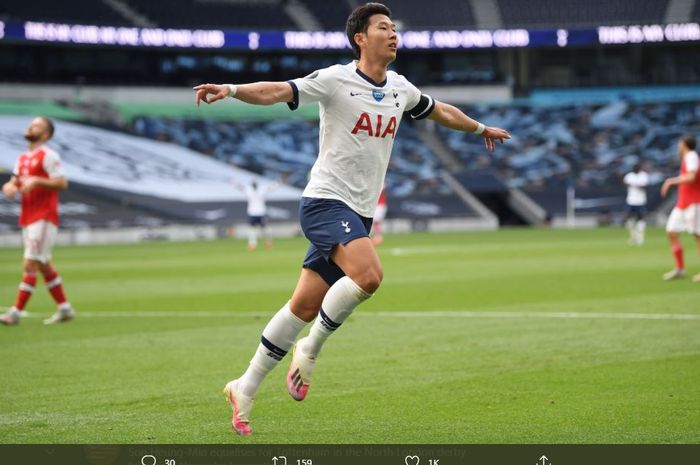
(360, 38)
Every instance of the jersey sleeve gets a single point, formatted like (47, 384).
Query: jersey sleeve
(53, 165)
(15, 169)
(316, 87)
(627, 179)
(418, 105)
(692, 163)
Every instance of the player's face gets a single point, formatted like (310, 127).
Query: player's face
(381, 38)
(37, 130)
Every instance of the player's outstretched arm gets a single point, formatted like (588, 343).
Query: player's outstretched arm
(453, 118)
(258, 93)
(685, 178)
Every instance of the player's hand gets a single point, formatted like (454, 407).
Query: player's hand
(210, 93)
(491, 135)
(9, 189)
(665, 187)
(28, 184)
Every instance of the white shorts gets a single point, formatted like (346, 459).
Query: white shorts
(687, 219)
(39, 238)
(380, 212)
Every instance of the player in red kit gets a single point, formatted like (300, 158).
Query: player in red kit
(379, 216)
(685, 216)
(38, 177)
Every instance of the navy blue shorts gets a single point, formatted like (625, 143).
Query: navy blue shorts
(256, 220)
(327, 223)
(637, 211)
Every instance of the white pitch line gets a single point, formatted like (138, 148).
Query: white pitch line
(561, 315)
(400, 314)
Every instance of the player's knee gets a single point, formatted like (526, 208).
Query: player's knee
(31, 266)
(370, 279)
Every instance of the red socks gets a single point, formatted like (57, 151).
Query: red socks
(678, 254)
(26, 287)
(53, 284)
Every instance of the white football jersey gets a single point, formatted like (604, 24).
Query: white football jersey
(636, 187)
(359, 119)
(257, 197)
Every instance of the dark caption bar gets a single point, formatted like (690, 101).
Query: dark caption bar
(349, 454)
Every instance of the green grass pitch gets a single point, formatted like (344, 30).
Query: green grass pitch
(514, 336)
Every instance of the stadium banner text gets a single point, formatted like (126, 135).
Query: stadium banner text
(85, 34)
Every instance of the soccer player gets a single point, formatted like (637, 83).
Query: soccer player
(257, 210)
(378, 218)
(361, 105)
(38, 177)
(636, 182)
(686, 214)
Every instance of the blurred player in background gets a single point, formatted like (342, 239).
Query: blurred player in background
(379, 216)
(685, 216)
(257, 212)
(361, 105)
(38, 177)
(636, 182)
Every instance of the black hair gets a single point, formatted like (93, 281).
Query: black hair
(689, 141)
(358, 21)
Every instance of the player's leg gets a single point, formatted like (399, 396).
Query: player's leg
(377, 225)
(54, 284)
(265, 232)
(674, 226)
(34, 237)
(640, 227)
(342, 254)
(363, 274)
(24, 293)
(276, 340)
(377, 237)
(252, 234)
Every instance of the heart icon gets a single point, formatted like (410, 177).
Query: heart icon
(412, 460)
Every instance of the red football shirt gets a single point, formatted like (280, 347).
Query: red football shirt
(689, 194)
(41, 203)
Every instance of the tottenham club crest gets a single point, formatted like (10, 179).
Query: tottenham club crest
(345, 224)
(378, 95)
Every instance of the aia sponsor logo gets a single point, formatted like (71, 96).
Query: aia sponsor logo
(375, 128)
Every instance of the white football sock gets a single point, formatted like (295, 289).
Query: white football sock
(252, 237)
(339, 302)
(641, 226)
(277, 338)
(631, 228)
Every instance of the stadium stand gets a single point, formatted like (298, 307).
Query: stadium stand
(193, 14)
(574, 13)
(80, 12)
(289, 148)
(331, 15)
(436, 14)
(588, 145)
(81, 208)
(412, 14)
